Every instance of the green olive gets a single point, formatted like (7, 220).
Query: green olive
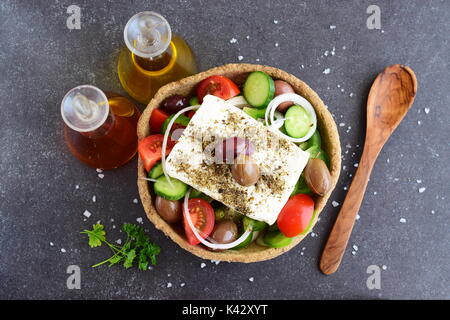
(245, 171)
(317, 176)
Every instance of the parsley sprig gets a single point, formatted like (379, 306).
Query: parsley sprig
(137, 248)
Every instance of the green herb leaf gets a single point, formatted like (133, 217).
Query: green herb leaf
(96, 235)
(129, 258)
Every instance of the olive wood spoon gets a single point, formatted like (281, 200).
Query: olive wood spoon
(391, 96)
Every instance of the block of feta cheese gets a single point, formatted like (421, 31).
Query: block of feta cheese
(280, 161)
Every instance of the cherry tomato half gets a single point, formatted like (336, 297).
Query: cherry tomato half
(202, 216)
(296, 215)
(157, 119)
(218, 86)
(150, 149)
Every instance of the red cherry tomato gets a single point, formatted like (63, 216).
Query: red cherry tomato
(150, 149)
(202, 216)
(296, 215)
(157, 119)
(218, 86)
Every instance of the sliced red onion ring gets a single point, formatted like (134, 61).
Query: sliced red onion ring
(296, 99)
(215, 246)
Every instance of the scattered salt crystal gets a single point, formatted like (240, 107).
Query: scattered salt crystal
(275, 21)
(304, 248)
(135, 200)
(421, 190)
(345, 188)
(402, 220)
(342, 90)
(63, 250)
(432, 212)
(356, 165)
(251, 279)
(342, 124)
(419, 122)
(215, 261)
(302, 253)
(427, 110)
(344, 168)
(150, 268)
(313, 234)
(277, 44)
(86, 213)
(169, 285)
(325, 53)
(419, 181)
(77, 187)
(344, 47)
(202, 265)
(326, 71)
(247, 37)
(375, 193)
(119, 241)
(358, 217)
(355, 247)
(383, 267)
(182, 284)
(99, 170)
(240, 58)
(112, 220)
(339, 87)
(94, 198)
(257, 60)
(334, 203)
(101, 175)
(233, 40)
(168, 275)
(332, 27)
(303, 67)
(351, 94)
(52, 244)
(139, 220)
(114, 227)
(353, 252)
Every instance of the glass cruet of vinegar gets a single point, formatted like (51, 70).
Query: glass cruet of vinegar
(153, 56)
(100, 128)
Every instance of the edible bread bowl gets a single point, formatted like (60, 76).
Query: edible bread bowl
(238, 73)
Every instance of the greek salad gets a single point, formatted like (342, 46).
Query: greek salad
(235, 165)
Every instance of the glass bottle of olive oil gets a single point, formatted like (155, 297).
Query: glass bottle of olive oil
(100, 128)
(153, 56)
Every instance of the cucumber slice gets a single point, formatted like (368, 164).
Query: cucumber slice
(156, 171)
(275, 239)
(176, 191)
(181, 119)
(194, 101)
(255, 113)
(255, 224)
(317, 152)
(245, 243)
(298, 122)
(259, 89)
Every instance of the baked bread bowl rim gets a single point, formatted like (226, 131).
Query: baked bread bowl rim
(186, 86)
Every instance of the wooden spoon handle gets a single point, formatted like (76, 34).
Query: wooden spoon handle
(340, 234)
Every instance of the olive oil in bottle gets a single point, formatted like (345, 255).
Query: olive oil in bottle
(153, 56)
(100, 129)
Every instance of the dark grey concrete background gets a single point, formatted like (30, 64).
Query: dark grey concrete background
(40, 60)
